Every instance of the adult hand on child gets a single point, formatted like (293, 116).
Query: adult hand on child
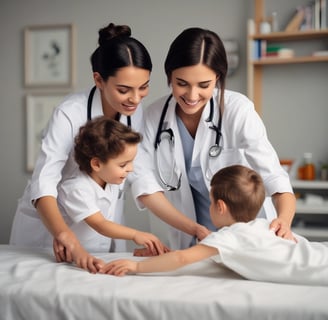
(201, 232)
(282, 229)
(67, 248)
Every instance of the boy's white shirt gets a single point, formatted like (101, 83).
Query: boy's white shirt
(255, 252)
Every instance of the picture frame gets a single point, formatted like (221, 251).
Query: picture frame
(39, 108)
(49, 56)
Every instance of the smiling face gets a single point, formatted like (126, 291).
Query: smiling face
(123, 92)
(116, 169)
(192, 87)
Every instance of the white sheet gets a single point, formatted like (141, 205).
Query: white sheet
(33, 286)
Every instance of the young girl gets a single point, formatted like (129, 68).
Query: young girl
(104, 151)
(243, 243)
(121, 68)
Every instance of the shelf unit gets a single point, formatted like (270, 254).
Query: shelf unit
(308, 219)
(314, 212)
(255, 67)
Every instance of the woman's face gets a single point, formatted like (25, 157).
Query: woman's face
(192, 87)
(123, 92)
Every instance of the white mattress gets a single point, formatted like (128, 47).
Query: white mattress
(34, 286)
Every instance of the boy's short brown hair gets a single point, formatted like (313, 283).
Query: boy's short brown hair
(242, 190)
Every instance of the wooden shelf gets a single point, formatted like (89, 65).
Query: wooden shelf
(307, 184)
(315, 186)
(309, 59)
(311, 212)
(290, 36)
(255, 66)
(313, 234)
(311, 209)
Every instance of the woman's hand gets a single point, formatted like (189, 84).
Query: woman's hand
(201, 232)
(67, 248)
(282, 229)
(285, 205)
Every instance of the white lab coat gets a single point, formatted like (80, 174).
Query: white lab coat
(244, 142)
(56, 163)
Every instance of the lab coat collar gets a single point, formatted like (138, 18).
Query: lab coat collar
(96, 109)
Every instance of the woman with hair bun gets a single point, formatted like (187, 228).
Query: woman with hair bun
(121, 68)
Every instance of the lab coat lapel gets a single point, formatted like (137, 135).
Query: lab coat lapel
(206, 138)
(203, 135)
(172, 123)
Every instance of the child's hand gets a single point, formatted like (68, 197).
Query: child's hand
(119, 267)
(151, 242)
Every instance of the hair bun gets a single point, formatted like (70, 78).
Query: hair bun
(112, 31)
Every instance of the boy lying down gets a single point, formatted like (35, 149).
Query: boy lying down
(243, 243)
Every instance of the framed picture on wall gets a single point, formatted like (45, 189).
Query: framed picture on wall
(39, 108)
(49, 56)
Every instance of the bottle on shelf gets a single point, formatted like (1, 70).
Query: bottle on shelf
(274, 22)
(307, 170)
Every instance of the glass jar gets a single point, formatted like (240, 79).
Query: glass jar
(308, 168)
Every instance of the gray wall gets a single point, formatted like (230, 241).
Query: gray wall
(155, 23)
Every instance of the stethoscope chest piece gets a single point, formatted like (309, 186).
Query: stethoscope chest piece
(214, 151)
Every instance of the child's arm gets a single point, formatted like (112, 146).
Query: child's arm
(167, 262)
(117, 231)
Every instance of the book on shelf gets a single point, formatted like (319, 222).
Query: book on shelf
(308, 22)
(259, 48)
(323, 14)
(320, 53)
(319, 14)
(311, 16)
(263, 50)
(296, 21)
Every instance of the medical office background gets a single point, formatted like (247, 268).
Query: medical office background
(295, 107)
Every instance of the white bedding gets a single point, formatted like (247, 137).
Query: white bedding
(33, 286)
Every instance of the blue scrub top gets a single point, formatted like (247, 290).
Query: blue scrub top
(196, 179)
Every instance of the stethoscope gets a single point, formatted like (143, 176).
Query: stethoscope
(89, 109)
(172, 180)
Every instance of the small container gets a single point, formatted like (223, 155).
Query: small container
(274, 22)
(308, 168)
(324, 172)
(265, 27)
